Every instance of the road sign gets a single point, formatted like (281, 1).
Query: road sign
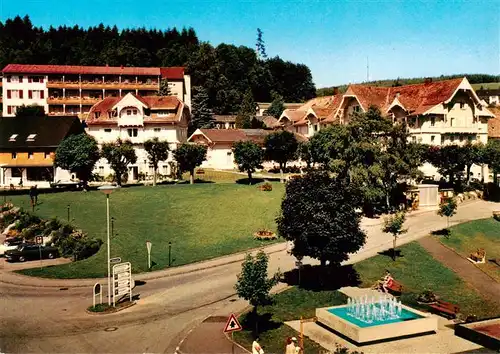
(39, 240)
(115, 260)
(122, 280)
(232, 324)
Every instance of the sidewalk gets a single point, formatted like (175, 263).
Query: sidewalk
(23, 280)
(485, 285)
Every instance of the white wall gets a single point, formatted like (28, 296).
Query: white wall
(25, 86)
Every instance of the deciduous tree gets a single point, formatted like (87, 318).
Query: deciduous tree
(248, 156)
(78, 153)
(281, 146)
(30, 111)
(119, 154)
(253, 283)
(247, 111)
(157, 151)
(189, 156)
(318, 215)
(448, 209)
(277, 105)
(393, 225)
(492, 158)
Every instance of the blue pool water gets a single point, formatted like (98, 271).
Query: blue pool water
(342, 313)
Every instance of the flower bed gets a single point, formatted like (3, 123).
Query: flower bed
(70, 241)
(264, 235)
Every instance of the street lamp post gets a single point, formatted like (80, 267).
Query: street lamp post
(108, 190)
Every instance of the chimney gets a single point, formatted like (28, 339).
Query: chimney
(428, 80)
(335, 90)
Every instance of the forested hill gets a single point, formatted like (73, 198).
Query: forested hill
(473, 79)
(225, 71)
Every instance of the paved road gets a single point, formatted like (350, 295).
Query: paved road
(40, 318)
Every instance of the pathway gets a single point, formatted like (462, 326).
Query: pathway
(486, 286)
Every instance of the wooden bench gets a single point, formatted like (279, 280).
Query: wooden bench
(395, 288)
(446, 308)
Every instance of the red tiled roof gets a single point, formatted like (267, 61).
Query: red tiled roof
(324, 108)
(173, 73)
(151, 102)
(416, 99)
(494, 123)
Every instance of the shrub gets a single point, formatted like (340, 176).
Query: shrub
(25, 220)
(496, 215)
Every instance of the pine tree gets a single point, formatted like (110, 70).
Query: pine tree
(247, 111)
(164, 88)
(201, 114)
(260, 46)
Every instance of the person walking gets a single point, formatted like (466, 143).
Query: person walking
(35, 194)
(256, 348)
(291, 346)
(32, 196)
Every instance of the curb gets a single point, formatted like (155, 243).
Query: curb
(238, 257)
(110, 312)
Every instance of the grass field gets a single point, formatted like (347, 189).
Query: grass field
(468, 237)
(487, 85)
(288, 305)
(202, 221)
(417, 270)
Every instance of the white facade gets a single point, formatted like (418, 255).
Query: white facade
(134, 125)
(70, 93)
(18, 90)
(6, 178)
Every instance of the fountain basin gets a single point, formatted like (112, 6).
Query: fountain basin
(411, 322)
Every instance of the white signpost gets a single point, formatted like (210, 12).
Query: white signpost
(122, 280)
(148, 246)
(97, 291)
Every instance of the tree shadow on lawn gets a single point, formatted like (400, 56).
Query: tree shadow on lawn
(443, 232)
(317, 278)
(389, 253)
(246, 181)
(264, 321)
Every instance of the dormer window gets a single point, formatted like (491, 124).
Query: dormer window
(13, 137)
(31, 137)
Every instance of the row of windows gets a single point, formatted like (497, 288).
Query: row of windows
(132, 132)
(32, 94)
(18, 79)
(46, 155)
(452, 138)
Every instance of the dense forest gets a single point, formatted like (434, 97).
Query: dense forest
(473, 79)
(225, 71)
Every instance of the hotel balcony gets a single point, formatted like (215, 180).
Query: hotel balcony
(474, 129)
(73, 100)
(104, 85)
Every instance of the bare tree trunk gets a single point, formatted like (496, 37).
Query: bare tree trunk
(191, 177)
(394, 248)
(249, 177)
(468, 174)
(154, 176)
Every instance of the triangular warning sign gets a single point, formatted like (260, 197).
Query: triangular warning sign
(232, 324)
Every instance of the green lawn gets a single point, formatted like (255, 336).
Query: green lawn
(291, 304)
(202, 221)
(486, 85)
(417, 270)
(468, 237)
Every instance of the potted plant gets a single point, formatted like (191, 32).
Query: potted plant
(427, 297)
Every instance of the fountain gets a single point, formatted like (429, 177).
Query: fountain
(365, 320)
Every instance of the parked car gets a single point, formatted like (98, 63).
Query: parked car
(10, 244)
(26, 252)
(67, 184)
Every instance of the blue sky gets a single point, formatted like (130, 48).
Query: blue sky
(334, 38)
